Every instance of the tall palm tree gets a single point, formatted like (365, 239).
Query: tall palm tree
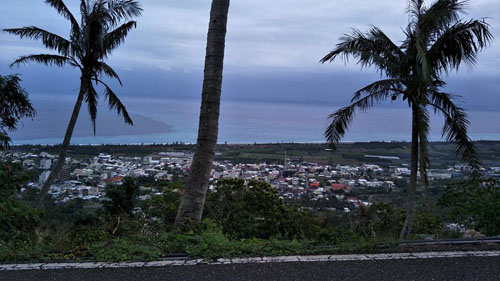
(14, 105)
(90, 42)
(193, 201)
(437, 42)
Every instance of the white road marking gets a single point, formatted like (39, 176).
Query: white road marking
(319, 258)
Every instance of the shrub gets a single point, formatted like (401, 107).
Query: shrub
(426, 223)
(18, 221)
(125, 249)
(473, 205)
(254, 210)
(380, 219)
(162, 209)
(121, 198)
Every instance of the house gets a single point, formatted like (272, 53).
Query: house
(314, 184)
(339, 186)
(113, 180)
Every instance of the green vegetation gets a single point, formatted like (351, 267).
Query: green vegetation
(240, 220)
(442, 154)
(14, 105)
(412, 72)
(91, 41)
(473, 205)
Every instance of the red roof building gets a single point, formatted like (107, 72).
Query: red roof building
(338, 186)
(314, 184)
(114, 179)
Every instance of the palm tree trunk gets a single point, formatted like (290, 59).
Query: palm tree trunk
(65, 145)
(193, 201)
(410, 209)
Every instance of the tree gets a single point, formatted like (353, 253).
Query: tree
(122, 198)
(14, 105)
(91, 41)
(192, 203)
(473, 207)
(437, 42)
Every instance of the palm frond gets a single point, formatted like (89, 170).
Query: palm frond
(414, 9)
(341, 119)
(14, 102)
(84, 9)
(115, 104)
(116, 37)
(46, 59)
(423, 134)
(373, 48)
(124, 9)
(103, 67)
(4, 141)
(91, 98)
(458, 43)
(440, 15)
(423, 68)
(455, 130)
(49, 40)
(63, 10)
(394, 86)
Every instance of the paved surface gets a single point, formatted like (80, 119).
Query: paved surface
(455, 268)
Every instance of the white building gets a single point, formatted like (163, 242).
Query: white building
(45, 164)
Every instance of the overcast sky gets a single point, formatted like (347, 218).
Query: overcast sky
(272, 50)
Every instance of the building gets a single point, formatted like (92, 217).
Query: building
(45, 164)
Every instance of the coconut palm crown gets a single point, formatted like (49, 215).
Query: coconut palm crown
(437, 42)
(90, 41)
(99, 32)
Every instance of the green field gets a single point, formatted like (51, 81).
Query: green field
(442, 155)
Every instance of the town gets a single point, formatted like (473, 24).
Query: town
(88, 178)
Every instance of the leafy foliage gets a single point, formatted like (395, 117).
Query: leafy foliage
(18, 221)
(12, 178)
(253, 210)
(164, 207)
(122, 198)
(473, 205)
(437, 41)
(14, 105)
(90, 42)
(380, 219)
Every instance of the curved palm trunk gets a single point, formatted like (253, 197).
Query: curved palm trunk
(410, 209)
(65, 145)
(193, 201)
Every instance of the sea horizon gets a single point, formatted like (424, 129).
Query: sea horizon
(162, 121)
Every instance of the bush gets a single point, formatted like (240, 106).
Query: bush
(12, 178)
(254, 210)
(18, 221)
(125, 249)
(121, 198)
(162, 209)
(426, 223)
(380, 219)
(473, 205)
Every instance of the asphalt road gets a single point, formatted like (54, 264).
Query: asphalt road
(467, 268)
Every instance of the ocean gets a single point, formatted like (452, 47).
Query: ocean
(167, 121)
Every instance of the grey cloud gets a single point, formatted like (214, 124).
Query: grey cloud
(273, 48)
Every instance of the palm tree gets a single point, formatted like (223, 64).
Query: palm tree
(192, 203)
(437, 42)
(90, 42)
(14, 105)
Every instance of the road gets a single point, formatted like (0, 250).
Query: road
(457, 268)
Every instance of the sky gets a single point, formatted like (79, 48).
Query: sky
(272, 50)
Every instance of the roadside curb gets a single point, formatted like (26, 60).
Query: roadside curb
(280, 259)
